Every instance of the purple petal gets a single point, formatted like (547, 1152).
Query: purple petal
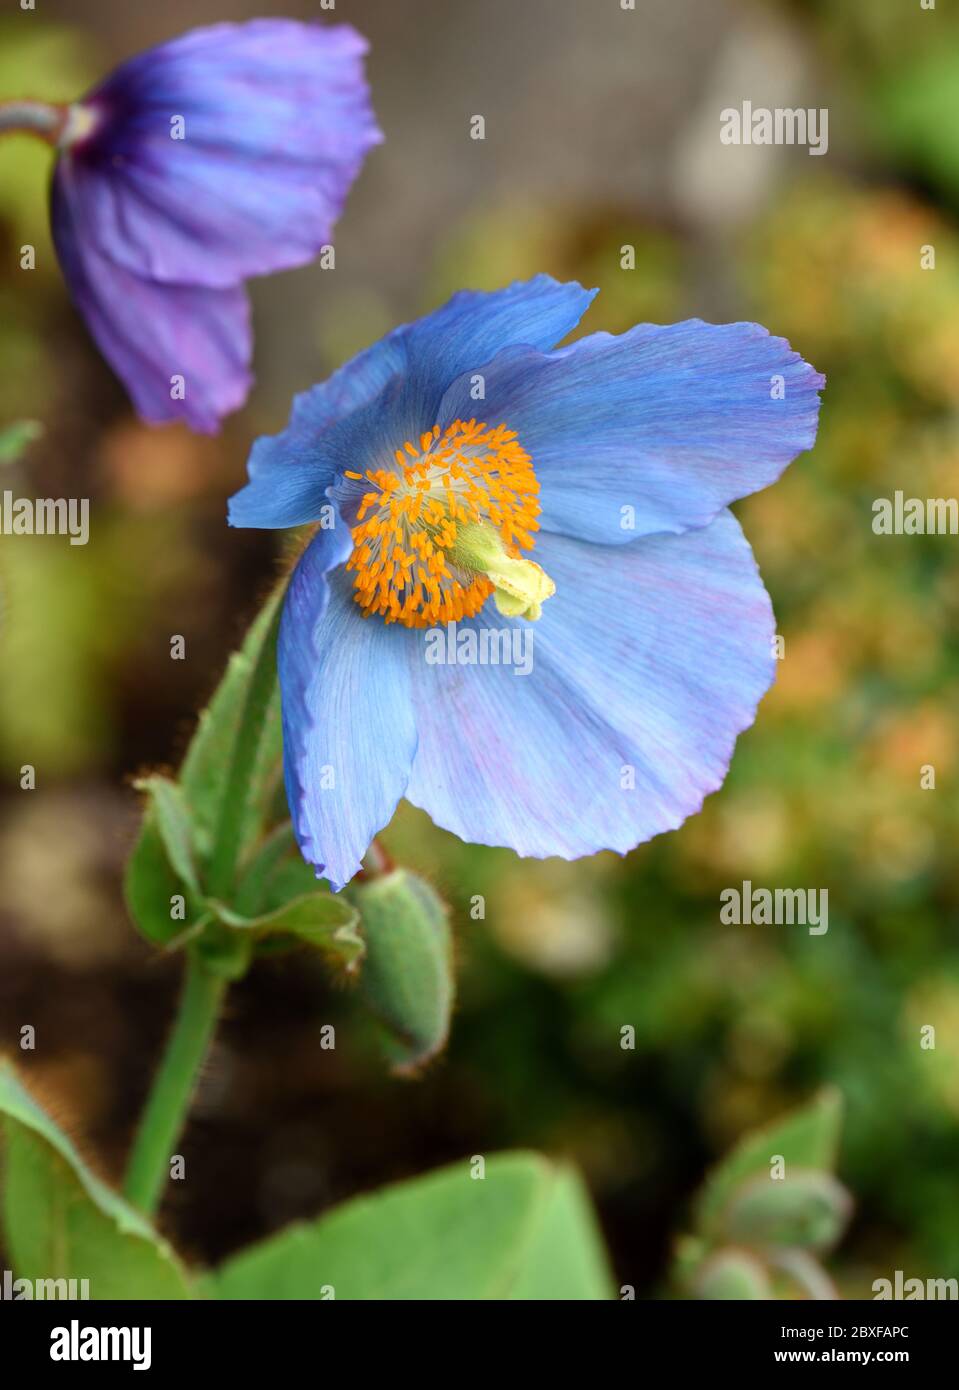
(152, 334)
(276, 124)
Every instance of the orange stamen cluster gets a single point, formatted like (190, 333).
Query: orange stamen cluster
(408, 522)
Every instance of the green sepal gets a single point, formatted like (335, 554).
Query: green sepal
(407, 978)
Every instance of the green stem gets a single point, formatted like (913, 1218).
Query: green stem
(203, 991)
(173, 1085)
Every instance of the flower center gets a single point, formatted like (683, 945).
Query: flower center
(442, 528)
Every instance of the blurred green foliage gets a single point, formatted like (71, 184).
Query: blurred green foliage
(769, 1212)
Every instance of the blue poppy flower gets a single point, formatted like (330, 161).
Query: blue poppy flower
(482, 495)
(223, 154)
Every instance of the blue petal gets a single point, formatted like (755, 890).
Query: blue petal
(151, 333)
(391, 393)
(647, 663)
(463, 335)
(661, 427)
(475, 325)
(348, 731)
(290, 472)
(277, 122)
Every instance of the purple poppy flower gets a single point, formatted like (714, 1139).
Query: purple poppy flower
(527, 609)
(223, 154)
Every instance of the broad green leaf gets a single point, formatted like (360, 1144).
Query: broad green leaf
(807, 1138)
(61, 1222)
(407, 978)
(328, 924)
(524, 1231)
(567, 1260)
(15, 438)
(250, 674)
(171, 815)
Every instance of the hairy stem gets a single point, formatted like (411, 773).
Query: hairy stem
(173, 1085)
(34, 117)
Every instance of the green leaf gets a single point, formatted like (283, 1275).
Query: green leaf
(326, 923)
(150, 883)
(171, 816)
(806, 1208)
(61, 1222)
(15, 438)
(524, 1231)
(179, 825)
(807, 1138)
(567, 1260)
(407, 977)
(205, 769)
(273, 874)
